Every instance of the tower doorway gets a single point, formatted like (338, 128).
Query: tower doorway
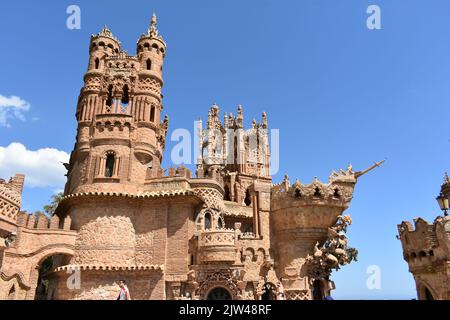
(269, 292)
(219, 293)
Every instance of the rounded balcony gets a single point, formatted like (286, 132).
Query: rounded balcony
(217, 246)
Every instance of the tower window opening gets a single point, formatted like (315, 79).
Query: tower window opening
(109, 167)
(317, 193)
(109, 100)
(227, 196)
(208, 219)
(97, 63)
(149, 64)
(152, 114)
(155, 46)
(336, 194)
(248, 199)
(126, 95)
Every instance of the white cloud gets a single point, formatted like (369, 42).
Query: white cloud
(42, 168)
(12, 107)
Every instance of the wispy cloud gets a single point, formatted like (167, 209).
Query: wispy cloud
(42, 168)
(12, 107)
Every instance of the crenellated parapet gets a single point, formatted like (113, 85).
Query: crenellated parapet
(426, 249)
(425, 243)
(42, 222)
(309, 227)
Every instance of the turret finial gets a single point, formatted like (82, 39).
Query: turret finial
(154, 22)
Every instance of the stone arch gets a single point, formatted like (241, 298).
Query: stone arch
(209, 219)
(39, 258)
(425, 291)
(219, 293)
(269, 291)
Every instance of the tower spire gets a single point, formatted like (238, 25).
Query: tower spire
(153, 31)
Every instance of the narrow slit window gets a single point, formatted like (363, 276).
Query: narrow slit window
(152, 114)
(109, 167)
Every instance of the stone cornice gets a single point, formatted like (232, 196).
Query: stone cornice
(111, 268)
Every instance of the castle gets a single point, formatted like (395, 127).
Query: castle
(426, 249)
(227, 233)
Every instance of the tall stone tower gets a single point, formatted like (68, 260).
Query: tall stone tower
(118, 150)
(426, 249)
(120, 139)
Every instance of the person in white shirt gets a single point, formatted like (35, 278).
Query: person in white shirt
(124, 293)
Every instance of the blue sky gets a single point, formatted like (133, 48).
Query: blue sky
(337, 91)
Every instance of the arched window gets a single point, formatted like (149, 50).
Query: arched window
(220, 223)
(97, 63)
(152, 114)
(12, 293)
(219, 294)
(269, 292)
(248, 198)
(109, 99)
(428, 295)
(208, 219)
(227, 196)
(336, 194)
(317, 193)
(125, 95)
(149, 64)
(155, 46)
(109, 166)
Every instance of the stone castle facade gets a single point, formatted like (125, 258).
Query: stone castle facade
(426, 249)
(227, 233)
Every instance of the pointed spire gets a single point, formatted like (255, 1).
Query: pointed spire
(153, 24)
(152, 31)
(240, 117)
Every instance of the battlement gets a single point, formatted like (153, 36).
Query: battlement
(425, 240)
(42, 222)
(333, 193)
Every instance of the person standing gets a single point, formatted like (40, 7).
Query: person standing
(124, 293)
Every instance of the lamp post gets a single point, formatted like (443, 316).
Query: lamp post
(443, 203)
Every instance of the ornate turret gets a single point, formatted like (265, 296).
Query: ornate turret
(426, 249)
(307, 221)
(121, 137)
